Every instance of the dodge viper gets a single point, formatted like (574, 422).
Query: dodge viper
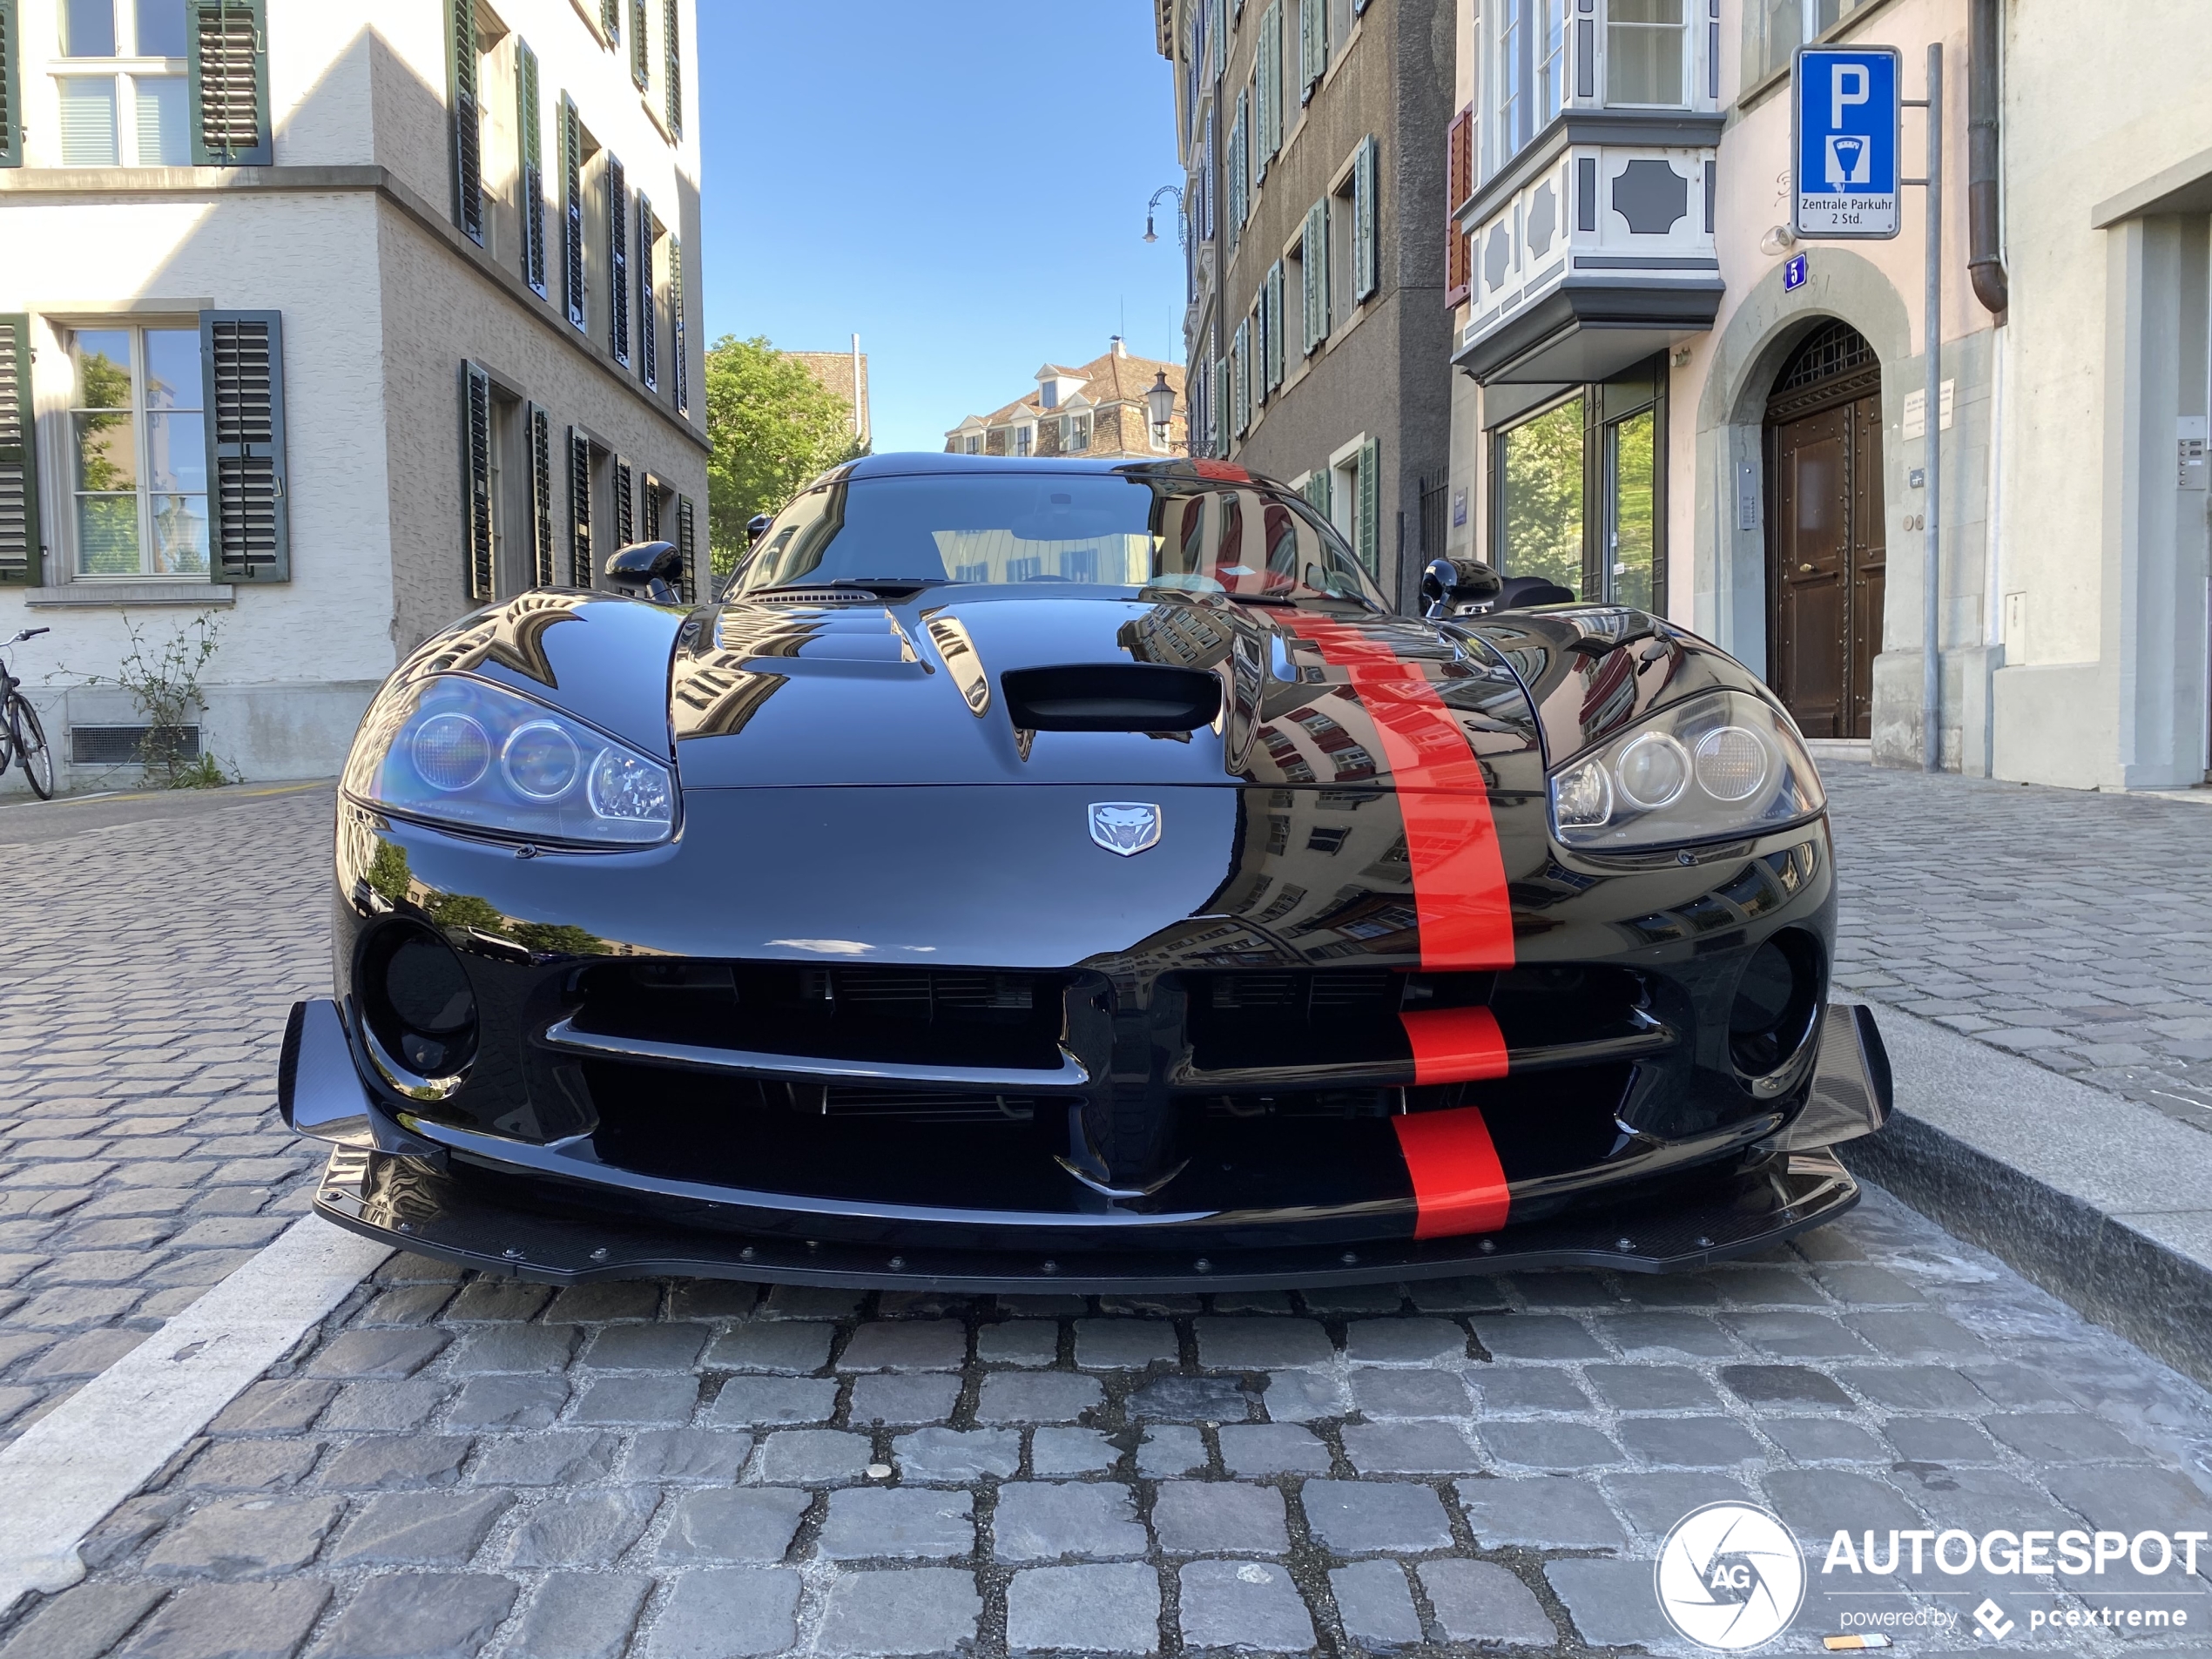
(1070, 872)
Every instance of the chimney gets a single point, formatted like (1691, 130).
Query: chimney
(1121, 348)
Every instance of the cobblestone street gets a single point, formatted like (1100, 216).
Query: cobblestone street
(451, 1464)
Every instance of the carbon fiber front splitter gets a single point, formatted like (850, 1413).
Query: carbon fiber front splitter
(410, 1205)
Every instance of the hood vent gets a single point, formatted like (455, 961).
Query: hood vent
(813, 596)
(1111, 697)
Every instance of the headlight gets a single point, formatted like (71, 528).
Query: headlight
(456, 750)
(1723, 764)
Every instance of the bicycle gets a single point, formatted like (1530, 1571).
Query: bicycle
(22, 738)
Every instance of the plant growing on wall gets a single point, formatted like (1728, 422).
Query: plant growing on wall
(162, 680)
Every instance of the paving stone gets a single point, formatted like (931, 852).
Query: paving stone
(1785, 1388)
(1539, 1444)
(2015, 1386)
(419, 1528)
(643, 1398)
(87, 1355)
(1037, 1397)
(1914, 1388)
(1168, 1450)
(2062, 1437)
(1818, 1503)
(1018, 1342)
(790, 1346)
(1652, 1504)
(907, 1344)
(2133, 1499)
(812, 1457)
(244, 1537)
(1104, 1609)
(419, 1615)
(499, 1300)
(1044, 1520)
(1688, 1442)
(1273, 1448)
(1479, 1295)
(1253, 1344)
(1863, 1286)
(921, 1611)
(899, 1397)
(566, 1457)
(611, 1299)
(1818, 1439)
(710, 1298)
(274, 1408)
(682, 1456)
(1799, 1336)
(1219, 1518)
(1405, 1341)
(944, 1456)
(740, 1524)
(380, 1407)
(509, 1402)
(1548, 1512)
(1939, 1439)
(384, 1354)
(751, 1402)
(1483, 1602)
(647, 1347)
(1375, 1605)
(1196, 1400)
(1124, 1345)
(1535, 1336)
(516, 1347)
(1071, 1451)
(1411, 1448)
(1375, 1517)
(1918, 1335)
(1662, 1334)
(729, 1613)
(231, 1621)
(900, 1522)
(82, 1622)
(808, 1302)
(1650, 1388)
(248, 1466)
(1245, 1605)
(1746, 1287)
(1610, 1601)
(395, 1462)
(1384, 1395)
(582, 1616)
(582, 1529)
(1509, 1391)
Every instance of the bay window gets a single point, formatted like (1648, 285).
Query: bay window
(1645, 58)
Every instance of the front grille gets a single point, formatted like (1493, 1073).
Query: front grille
(1313, 1017)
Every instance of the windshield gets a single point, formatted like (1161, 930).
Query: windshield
(1099, 530)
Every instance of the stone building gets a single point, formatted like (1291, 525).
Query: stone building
(1316, 328)
(332, 321)
(844, 375)
(1098, 410)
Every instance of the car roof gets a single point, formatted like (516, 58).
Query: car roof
(911, 463)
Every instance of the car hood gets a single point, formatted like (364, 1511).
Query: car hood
(785, 694)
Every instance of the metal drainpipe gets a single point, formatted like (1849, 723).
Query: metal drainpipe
(1985, 264)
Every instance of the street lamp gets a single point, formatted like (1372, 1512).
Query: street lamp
(1159, 403)
(1151, 207)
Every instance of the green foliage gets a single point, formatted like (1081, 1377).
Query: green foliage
(164, 684)
(1543, 497)
(387, 873)
(775, 427)
(459, 912)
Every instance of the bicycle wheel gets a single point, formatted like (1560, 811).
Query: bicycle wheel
(30, 746)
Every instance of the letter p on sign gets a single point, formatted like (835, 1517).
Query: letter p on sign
(1843, 76)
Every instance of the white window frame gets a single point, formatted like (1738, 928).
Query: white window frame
(57, 423)
(124, 71)
(1689, 31)
(1021, 439)
(1344, 488)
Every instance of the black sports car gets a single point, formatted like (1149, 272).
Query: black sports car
(1070, 872)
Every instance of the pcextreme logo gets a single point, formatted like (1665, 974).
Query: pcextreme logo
(1731, 1576)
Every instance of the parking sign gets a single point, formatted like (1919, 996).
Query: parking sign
(1846, 149)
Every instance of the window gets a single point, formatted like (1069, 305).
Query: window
(1550, 43)
(614, 207)
(1578, 491)
(1025, 440)
(138, 445)
(139, 114)
(1528, 73)
(1075, 434)
(1773, 30)
(1314, 272)
(1644, 54)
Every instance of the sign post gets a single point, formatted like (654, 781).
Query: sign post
(1846, 155)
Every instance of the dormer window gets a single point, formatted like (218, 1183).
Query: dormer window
(1049, 394)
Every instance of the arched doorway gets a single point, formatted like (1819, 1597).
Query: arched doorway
(1826, 545)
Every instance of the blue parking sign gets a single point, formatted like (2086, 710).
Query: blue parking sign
(1846, 149)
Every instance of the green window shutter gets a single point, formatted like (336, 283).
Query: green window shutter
(227, 50)
(1316, 489)
(530, 167)
(541, 430)
(647, 311)
(1368, 543)
(671, 45)
(1312, 44)
(1276, 325)
(241, 358)
(618, 263)
(19, 561)
(1219, 36)
(572, 211)
(1313, 265)
(625, 485)
(464, 64)
(687, 544)
(610, 18)
(1235, 163)
(11, 89)
(579, 509)
(475, 479)
(1264, 94)
(1240, 379)
(1365, 257)
(679, 352)
(641, 66)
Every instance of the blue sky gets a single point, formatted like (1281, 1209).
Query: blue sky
(963, 186)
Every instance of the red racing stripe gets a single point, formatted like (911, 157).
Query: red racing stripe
(1459, 1185)
(1454, 1045)
(1460, 899)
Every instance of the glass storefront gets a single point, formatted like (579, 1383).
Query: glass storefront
(1579, 489)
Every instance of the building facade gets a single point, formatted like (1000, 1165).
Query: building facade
(1096, 409)
(1316, 330)
(844, 375)
(330, 322)
(1666, 397)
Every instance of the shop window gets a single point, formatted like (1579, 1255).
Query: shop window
(1539, 516)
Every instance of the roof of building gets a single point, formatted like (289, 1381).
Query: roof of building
(1111, 378)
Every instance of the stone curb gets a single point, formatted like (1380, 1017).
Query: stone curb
(2099, 1199)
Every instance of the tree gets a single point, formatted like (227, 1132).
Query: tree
(775, 427)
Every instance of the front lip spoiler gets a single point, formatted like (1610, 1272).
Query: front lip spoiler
(410, 1204)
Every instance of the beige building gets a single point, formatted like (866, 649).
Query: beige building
(329, 322)
(1657, 400)
(1097, 409)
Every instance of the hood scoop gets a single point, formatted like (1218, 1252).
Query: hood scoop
(814, 596)
(1111, 697)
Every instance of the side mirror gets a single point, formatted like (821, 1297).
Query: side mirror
(756, 527)
(657, 568)
(1457, 588)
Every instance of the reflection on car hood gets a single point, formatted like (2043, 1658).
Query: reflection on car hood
(852, 693)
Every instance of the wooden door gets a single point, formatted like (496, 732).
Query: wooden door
(1868, 556)
(1825, 558)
